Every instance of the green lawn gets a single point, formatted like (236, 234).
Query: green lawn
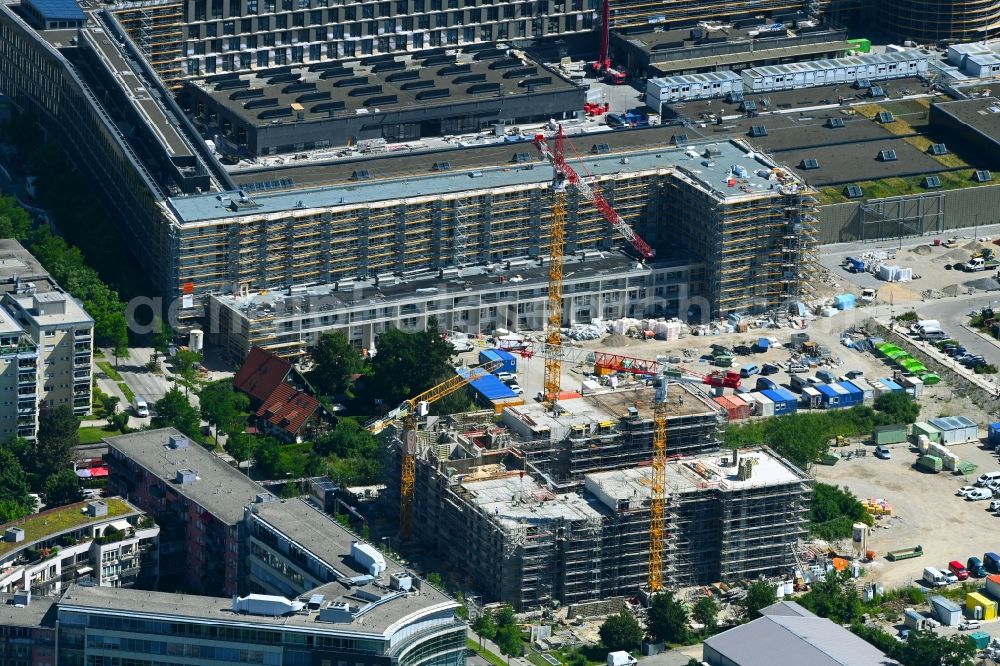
(40, 525)
(494, 659)
(109, 370)
(94, 434)
(891, 187)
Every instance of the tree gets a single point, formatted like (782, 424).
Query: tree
(509, 640)
(110, 405)
(926, 647)
(667, 619)
(621, 632)
(759, 595)
(186, 364)
(353, 454)
(174, 411)
(409, 363)
(163, 335)
(267, 457)
(62, 488)
(13, 487)
(120, 347)
(240, 446)
(706, 612)
(485, 626)
(835, 598)
(15, 222)
(900, 407)
(223, 407)
(119, 421)
(337, 361)
(833, 512)
(505, 617)
(576, 658)
(57, 435)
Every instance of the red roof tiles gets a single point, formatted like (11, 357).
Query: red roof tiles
(288, 409)
(261, 374)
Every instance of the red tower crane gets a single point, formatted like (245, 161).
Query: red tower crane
(603, 63)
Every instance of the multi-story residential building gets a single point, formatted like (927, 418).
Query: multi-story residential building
(27, 630)
(18, 380)
(60, 334)
(64, 333)
(108, 542)
(196, 499)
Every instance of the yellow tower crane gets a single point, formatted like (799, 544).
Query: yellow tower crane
(408, 412)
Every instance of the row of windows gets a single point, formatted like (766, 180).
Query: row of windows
(201, 10)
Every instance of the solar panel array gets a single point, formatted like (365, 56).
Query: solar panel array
(853, 192)
(268, 185)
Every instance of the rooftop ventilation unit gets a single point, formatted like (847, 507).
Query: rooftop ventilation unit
(982, 176)
(876, 91)
(853, 192)
(938, 149)
(521, 158)
(931, 182)
(185, 476)
(178, 442)
(734, 96)
(266, 605)
(884, 117)
(809, 164)
(441, 166)
(886, 156)
(679, 139)
(600, 148)
(360, 174)
(835, 123)
(758, 130)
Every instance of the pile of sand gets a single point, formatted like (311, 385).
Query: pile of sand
(950, 290)
(922, 249)
(617, 340)
(896, 293)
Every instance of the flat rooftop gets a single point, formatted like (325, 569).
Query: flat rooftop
(513, 499)
(16, 263)
(382, 621)
(849, 163)
(220, 488)
(420, 289)
(59, 307)
(9, 325)
(161, 123)
(380, 84)
(47, 524)
(981, 114)
(39, 613)
(711, 174)
(742, 30)
(692, 474)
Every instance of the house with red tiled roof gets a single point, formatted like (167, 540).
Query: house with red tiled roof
(262, 372)
(291, 415)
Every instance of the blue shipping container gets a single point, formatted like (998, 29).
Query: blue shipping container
(763, 344)
(891, 385)
(830, 397)
(993, 436)
(855, 395)
(509, 360)
(785, 401)
(488, 387)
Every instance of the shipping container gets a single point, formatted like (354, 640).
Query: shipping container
(993, 434)
(855, 396)
(891, 385)
(811, 398)
(866, 389)
(736, 409)
(833, 395)
(913, 386)
(763, 344)
(993, 585)
(889, 434)
(956, 429)
(980, 639)
(764, 405)
(924, 428)
(975, 600)
(509, 360)
(784, 400)
(947, 611)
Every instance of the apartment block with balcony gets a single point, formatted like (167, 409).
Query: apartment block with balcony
(18, 380)
(107, 542)
(64, 334)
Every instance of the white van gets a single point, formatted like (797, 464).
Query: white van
(141, 408)
(987, 478)
(934, 578)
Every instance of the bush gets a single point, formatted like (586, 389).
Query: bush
(907, 316)
(834, 511)
(988, 369)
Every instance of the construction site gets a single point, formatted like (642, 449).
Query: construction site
(543, 510)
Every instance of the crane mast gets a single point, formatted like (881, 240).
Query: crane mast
(657, 538)
(552, 382)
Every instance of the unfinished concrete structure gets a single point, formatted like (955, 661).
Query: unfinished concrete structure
(559, 512)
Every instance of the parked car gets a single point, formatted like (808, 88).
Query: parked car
(956, 568)
(795, 368)
(506, 376)
(975, 567)
(965, 490)
(994, 505)
(970, 625)
(949, 577)
(979, 494)
(855, 374)
(513, 386)
(768, 369)
(883, 452)
(987, 477)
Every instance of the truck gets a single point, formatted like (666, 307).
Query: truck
(854, 265)
(979, 264)
(934, 578)
(904, 553)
